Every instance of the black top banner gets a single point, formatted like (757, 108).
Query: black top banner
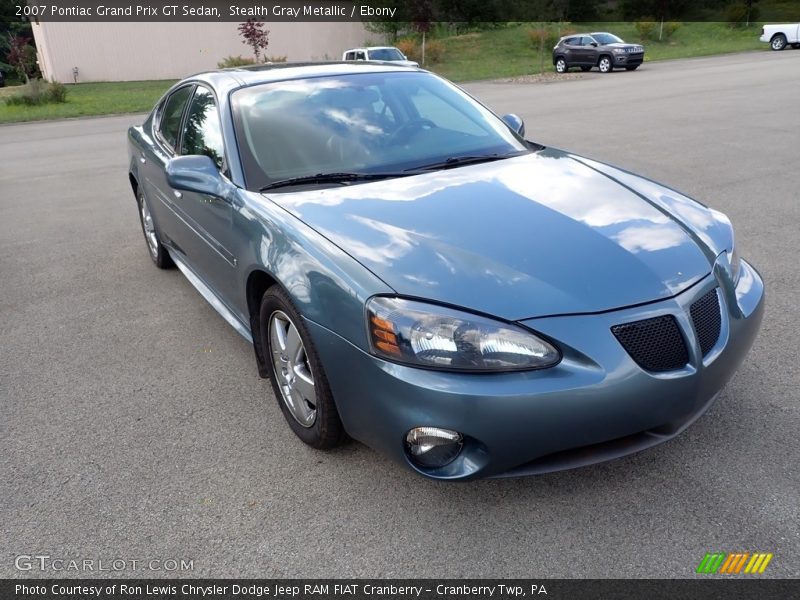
(401, 11)
(712, 588)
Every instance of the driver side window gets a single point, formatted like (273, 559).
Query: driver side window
(170, 122)
(202, 133)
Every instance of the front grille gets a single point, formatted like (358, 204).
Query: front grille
(707, 320)
(655, 344)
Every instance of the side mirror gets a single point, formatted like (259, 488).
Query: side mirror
(593, 44)
(197, 173)
(515, 123)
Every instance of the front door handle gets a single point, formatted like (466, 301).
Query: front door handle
(177, 194)
(142, 159)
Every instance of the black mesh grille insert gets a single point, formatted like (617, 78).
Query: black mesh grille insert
(707, 320)
(655, 344)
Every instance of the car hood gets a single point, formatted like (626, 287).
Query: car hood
(623, 45)
(541, 234)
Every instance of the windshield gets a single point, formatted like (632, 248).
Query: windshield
(606, 38)
(361, 123)
(386, 54)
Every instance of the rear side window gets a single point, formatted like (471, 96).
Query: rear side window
(350, 56)
(170, 123)
(571, 41)
(203, 132)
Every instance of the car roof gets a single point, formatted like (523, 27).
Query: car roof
(226, 80)
(573, 35)
(372, 48)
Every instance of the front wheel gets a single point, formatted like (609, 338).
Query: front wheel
(778, 42)
(297, 376)
(561, 65)
(156, 249)
(605, 65)
(632, 68)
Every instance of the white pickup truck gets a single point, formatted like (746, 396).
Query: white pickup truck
(779, 36)
(379, 53)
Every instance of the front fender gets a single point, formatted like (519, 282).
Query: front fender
(328, 286)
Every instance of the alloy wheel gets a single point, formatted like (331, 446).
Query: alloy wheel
(149, 228)
(778, 43)
(292, 369)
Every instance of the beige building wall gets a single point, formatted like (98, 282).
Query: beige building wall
(138, 51)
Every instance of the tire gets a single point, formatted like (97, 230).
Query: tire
(299, 373)
(158, 253)
(778, 42)
(605, 65)
(632, 68)
(584, 69)
(561, 65)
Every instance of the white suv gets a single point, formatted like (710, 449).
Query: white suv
(381, 53)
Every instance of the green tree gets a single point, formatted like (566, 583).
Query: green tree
(11, 26)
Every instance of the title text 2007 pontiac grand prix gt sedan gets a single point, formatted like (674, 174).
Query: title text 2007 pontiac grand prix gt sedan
(414, 273)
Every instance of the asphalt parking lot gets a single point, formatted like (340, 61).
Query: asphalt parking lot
(134, 424)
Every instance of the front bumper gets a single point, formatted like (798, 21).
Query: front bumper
(628, 59)
(595, 405)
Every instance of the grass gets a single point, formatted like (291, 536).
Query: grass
(507, 52)
(86, 99)
(502, 52)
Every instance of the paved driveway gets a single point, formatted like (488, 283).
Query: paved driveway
(134, 426)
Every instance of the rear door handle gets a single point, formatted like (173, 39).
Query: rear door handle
(177, 194)
(142, 159)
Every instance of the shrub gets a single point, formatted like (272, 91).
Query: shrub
(737, 14)
(37, 92)
(275, 59)
(410, 48)
(550, 37)
(646, 29)
(670, 27)
(542, 38)
(235, 61)
(434, 51)
(653, 30)
(57, 92)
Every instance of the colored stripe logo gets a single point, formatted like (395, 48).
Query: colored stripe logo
(734, 563)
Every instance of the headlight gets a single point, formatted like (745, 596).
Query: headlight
(619, 50)
(736, 264)
(433, 336)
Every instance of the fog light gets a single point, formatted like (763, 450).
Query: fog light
(433, 447)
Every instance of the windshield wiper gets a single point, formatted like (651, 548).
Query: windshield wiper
(330, 178)
(458, 161)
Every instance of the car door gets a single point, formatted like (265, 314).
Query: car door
(588, 51)
(209, 217)
(165, 133)
(572, 48)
